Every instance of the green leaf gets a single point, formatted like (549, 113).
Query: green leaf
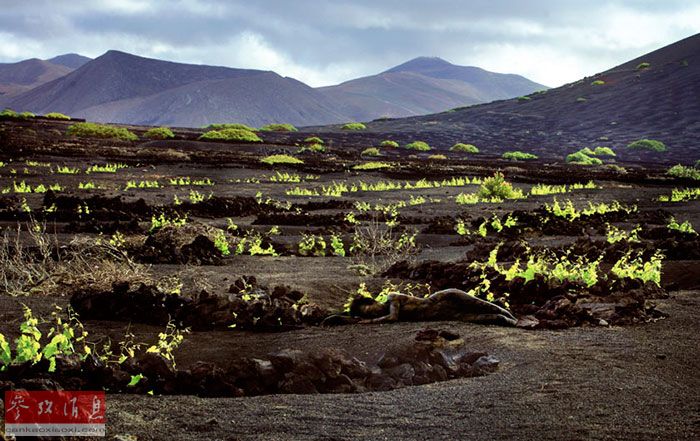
(135, 380)
(5, 352)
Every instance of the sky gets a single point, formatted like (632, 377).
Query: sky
(552, 42)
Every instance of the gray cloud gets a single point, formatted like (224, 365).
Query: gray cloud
(323, 42)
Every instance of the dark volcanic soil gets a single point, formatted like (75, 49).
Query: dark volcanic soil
(636, 383)
(590, 381)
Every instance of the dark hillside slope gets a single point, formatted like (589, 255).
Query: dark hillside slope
(255, 100)
(661, 102)
(115, 76)
(17, 78)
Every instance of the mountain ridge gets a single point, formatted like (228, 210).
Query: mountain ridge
(103, 89)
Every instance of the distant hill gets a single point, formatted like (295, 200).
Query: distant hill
(72, 61)
(120, 87)
(252, 99)
(424, 85)
(17, 78)
(612, 108)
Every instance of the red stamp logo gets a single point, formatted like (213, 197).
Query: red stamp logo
(54, 413)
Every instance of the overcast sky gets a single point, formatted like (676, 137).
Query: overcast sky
(326, 42)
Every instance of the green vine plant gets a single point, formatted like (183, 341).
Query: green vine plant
(615, 235)
(685, 227)
(252, 244)
(634, 267)
(65, 336)
(681, 195)
(68, 337)
(312, 245)
(221, 242)
(168, 341)
(568, 211)
(495, 223)
(579, 269)
(162, 220)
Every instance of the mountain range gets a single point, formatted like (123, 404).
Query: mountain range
(124, 88)
(656, 95)
(17, 78)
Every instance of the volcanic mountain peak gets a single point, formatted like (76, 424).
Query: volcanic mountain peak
(422, 64)
(72, 61)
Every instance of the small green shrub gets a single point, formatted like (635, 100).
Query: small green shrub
(524, 98)
(93, 130)
(56, 115)
(680, 171)
(230, 135)
(278, 128)
(9, 113)
(313, 140)
(220, 126)
(281, 159)
(597, 83)
(647, 144)
(389, 144)
(464, 148)
(604, 151)
(159, 133)
(437, 157)
(616, 168)
(581, 158)
(519, 156)
(643, 65)
(686, 227)
(581, 99)
(496, 187)
(418, 145)
(372, 151)
(353, 126)
(372, 165)
(316, 148)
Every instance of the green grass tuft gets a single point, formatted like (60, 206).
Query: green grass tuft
(581, 158)
(681, 171)
(239, 126)
(56, 115)
(604, 151)
(93, 130)
(353, 126)
(230, 135)
(464, 148)
(389, 144)
(159, 133)
(372, 165)
(419, 146)
(281, 159)
(647, 144)
(278, 128)
(519, 156)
